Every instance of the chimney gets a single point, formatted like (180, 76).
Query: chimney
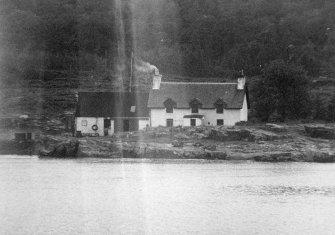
(156, 79)
(240, 83)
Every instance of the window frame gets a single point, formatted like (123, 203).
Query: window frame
(83, 122)
(195, 105)
(169, 105)
(219, 108)
(194, 108)
(219, 120)
(169, 109)
(169, 121)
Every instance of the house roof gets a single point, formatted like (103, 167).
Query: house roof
(112, 104)
(206, 93)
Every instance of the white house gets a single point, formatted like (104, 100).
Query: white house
(103, 113)
(196, 103)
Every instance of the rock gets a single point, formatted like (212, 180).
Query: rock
(199, 136)
(181, 136)
(216, 155)
(276, 157)
(198, 144)
(62, 150)
(236, 134)
(323, 157)
(177, 143)
(275, 127)
(210, 147)
(319, 131)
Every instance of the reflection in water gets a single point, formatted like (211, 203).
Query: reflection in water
(127, 196)
(283, 190)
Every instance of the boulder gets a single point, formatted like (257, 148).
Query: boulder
(62, 150)
(275, 127)
(197, 144)
(210, 147)
(323, 157)
(318, 131)
(276, 157)
(181, 136)
(177, 143)
(216, 155)
(237, 134)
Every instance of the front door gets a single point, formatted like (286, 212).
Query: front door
(107, 125)
(193, 122)
(126, 125)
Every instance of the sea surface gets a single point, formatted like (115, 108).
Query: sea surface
(100, 196)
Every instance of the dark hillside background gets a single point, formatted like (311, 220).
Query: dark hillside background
(52, 48)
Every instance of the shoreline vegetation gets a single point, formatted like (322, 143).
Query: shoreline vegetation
(268, 143)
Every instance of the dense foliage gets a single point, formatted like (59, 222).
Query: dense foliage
(185, 37)
(282, 93)
(189, 37)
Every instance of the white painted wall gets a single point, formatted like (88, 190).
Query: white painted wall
(158, 116)
(111, 129)
(230, 117)
(198, 121)
(90, 122)
(244, 110)
(142, 124)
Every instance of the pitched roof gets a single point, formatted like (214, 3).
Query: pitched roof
(207, 93)
(112, 104)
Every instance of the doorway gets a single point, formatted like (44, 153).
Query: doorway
(193, 122)
(126, 125)
(107, 126)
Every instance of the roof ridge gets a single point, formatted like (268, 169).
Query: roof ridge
(203, 83)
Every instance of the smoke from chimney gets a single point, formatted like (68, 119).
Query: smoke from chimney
(143, 66)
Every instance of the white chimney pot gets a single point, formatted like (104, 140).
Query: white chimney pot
(156, 83)
(240, 83)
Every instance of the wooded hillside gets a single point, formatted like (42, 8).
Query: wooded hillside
(195, 38)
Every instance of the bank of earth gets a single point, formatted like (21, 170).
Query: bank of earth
(270, 142)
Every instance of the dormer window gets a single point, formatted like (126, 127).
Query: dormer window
(195, 105)
(219, 105)
(219, 108)
(195, 108)
(169, 105)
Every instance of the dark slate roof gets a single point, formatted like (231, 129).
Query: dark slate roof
(207, 93)
(112, 104)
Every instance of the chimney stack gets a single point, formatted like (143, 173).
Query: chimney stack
(240, 83)
(156, 79)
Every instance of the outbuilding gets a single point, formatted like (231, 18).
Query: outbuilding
(104, 113)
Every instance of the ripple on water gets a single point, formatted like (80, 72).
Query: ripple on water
(280, 190)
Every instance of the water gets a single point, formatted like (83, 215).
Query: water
(94, 196)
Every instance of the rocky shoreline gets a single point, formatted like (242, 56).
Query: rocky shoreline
(267, 143)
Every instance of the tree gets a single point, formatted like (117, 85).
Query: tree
(283, 89)
(319, 109)
(331, 109)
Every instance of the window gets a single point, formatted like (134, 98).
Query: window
(169, 105)
(193, 122)
(169, 109)
(169, 122)
(84, 122)
(195, 104)
(195, 108)
(132, 109)
(220, 105)
(219, 122)
(219, 108)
